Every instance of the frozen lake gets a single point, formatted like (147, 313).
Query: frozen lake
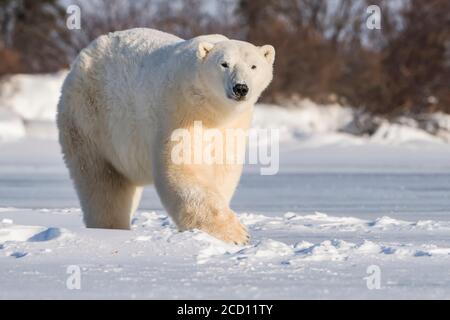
(399, 182)
(368, 195)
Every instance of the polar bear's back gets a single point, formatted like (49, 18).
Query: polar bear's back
(122, 47)
(111, 66)
(141, 39)
(99, 98)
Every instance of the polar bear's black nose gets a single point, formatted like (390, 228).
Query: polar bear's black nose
(240, 90)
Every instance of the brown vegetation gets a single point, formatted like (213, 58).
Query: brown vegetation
(324, 49)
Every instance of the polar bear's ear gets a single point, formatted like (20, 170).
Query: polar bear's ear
(269, 53)
(203, 49)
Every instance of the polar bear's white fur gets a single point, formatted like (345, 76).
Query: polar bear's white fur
(124, 96)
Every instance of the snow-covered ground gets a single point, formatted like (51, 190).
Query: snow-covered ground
(340, 206)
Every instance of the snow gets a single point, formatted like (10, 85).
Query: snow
(292, 256)
(11, 126)
(33, 97)
(28, 106)
(397, 133)
(340, 206)
(302, 121)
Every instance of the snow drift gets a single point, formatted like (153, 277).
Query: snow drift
(291, 256)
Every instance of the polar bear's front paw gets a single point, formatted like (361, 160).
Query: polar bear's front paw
(228, 228)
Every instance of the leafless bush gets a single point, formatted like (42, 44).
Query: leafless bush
(32, 30)
(325, 52)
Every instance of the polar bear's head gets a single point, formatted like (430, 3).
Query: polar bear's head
(233, 72)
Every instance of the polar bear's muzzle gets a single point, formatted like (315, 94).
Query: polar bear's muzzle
(240, 91)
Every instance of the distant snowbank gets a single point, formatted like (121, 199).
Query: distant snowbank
(28, 108)
(302, 122)
(28, 105)
(395, 133)
(11, 126)
(33, 97)
(316, 124)
(307, 118)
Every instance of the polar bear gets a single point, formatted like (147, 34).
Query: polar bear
(124, 96)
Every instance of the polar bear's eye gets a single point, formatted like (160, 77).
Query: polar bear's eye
(253, 67)
(225, 65)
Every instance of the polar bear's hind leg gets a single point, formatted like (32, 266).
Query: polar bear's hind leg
(107, 198)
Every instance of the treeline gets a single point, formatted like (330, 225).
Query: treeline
(325, 50)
